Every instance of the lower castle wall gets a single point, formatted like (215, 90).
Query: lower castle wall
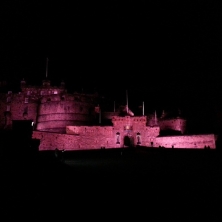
(50, 141)
(192, 141)
(95, 138)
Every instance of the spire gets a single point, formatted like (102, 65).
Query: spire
(155, 118)
(127, 107)
(100, 115)
(47, 63)
(46, 82)
(179, 112)
(143, 108)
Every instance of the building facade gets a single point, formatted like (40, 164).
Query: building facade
(74, 122)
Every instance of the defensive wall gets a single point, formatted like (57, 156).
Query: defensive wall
(187, 141)
(106, 137)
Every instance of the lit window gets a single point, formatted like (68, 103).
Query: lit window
(138, 136)
(8, 108)
(55, 92)
(118, 138)
(8, 99)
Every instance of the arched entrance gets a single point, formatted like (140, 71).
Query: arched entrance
(128, 141)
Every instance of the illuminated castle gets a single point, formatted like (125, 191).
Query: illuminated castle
(74, 121)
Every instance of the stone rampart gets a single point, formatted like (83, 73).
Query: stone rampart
(187, 141)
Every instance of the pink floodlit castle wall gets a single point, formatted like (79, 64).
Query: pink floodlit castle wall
(125, 132)
(67, 121)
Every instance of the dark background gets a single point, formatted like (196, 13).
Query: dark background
(167, 54)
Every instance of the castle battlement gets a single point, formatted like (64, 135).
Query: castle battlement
(67, 121)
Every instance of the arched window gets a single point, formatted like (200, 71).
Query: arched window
(8, 99)
(117, 138)
(138, 138)
(26, 100)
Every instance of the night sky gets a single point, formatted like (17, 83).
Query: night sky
(167, 54)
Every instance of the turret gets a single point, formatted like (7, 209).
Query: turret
(46, 82)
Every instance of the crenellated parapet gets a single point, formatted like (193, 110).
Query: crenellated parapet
(90, 130)
(132, 121)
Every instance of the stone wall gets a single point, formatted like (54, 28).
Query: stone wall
(187, 141)
(47, 110)
(96, 137)
(91, 139)
(80, 138)
(57, 111)
(16, 107)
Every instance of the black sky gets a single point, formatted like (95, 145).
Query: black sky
(166, 53)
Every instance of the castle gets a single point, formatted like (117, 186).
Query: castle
(74, 121)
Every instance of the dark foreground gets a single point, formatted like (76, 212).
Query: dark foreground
(170, 180)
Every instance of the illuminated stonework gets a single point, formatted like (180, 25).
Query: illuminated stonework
(67, 121)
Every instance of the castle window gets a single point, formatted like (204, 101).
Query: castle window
(8, 108)
(128, 127)
(48, 99)
(90, 110)
(28, 93)
(63, 98)
(117, 138)
(26, 110)
(138, 138)
(25, 113)
(26, 100)
(8, 99)
(55, 92)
